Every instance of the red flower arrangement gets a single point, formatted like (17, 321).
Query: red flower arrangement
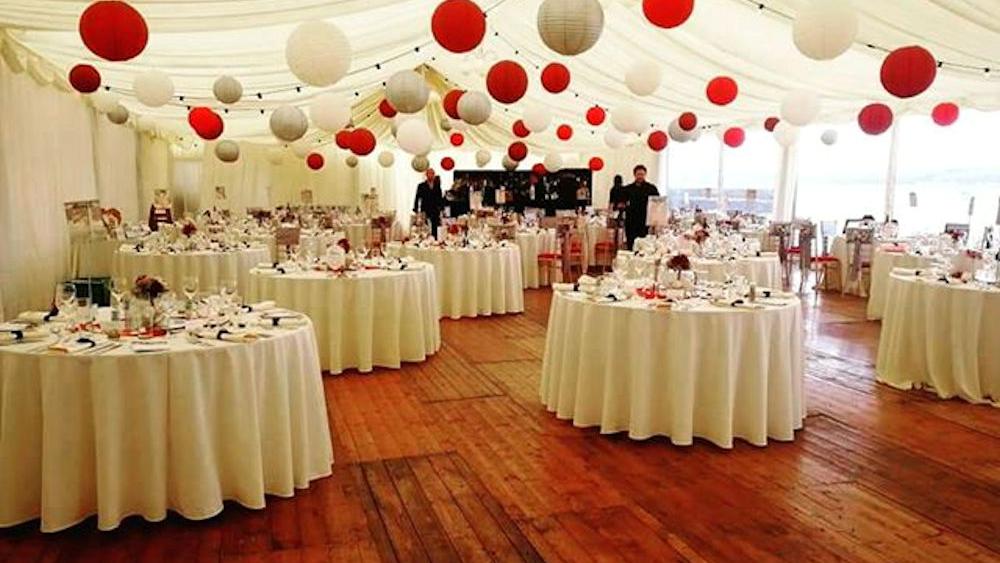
(148, 287)
(345, 244)
(454, 229)
(700, 236)
(679, 263)
(189, 229)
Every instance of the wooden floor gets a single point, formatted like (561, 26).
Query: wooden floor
(455, 459)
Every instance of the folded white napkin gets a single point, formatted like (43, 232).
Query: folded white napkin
(227, 336)
(34, 317)
(75, 345)
(905, 271)
(260, 307)
(586, 280)
(562, 287)
(284, 322)
(22, 335)
(142, 346)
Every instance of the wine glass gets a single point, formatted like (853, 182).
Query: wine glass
(119, 286)
(65, 295)
(190, 287)
(228, 290)
(84, 312)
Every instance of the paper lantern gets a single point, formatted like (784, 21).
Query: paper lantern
(785, 134)
(302, 147)
(875, 119)
(507, 82)
(800, 107)
(104, 100)
(351, 161)
(450, 103)
(596, 116)
(643, 77)
(315, 161)
(288, 123)
(564, 132)
(721, 90)
(678, 134)
(343, 139)
(414, 137)
(119, 115)
(227, 151)
(570, 27)
(84, 78)
(770, 123)
(519, 129)
(614, 139)
(227, 89)
(318, 53)
(483, 157)
(687, 121)
(537, 118)
(474, 108)
(447, 163)
(508, 164)
(275, 155)
(330, 112)
(420, 163)
(539, 169)
(667, 13)
(456, 139)
(555, 77)
(596, 164)
(386, 159)
(206, 123)
(386, 109)
(407, 91)
(627, 119)
(553, 162)
(945, 114)
(734, 137)
(908, 71)
(153, 88)
(517, 151)
(825, 29)
(657, 141)
(362, 141)
(458, 25)
(113, 30)
(829, 137)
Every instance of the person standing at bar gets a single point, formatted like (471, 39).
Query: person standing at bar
(639, 193)
(429, 200)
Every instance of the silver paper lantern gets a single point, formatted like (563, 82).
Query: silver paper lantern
(153, 88)
(227, 89)
(119, 115)
(420, 163)
(570, 27)
(227, 151)
(407, 91)
(289, 123)
(475, 108)
(318, 53)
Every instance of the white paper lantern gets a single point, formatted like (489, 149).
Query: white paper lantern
(302, 147)
(289, 123)
(537, 118)
(509, 164)
(414, 137)
(829, 137)
(825, 29)
(119, 115)
(153, 88)
(800, 107)
(458, 124)
(227, 151)
(553, 162)
(678, 133)
(386, 159)
(570, 27)
(330, 112)
(785, 134)
(407, 91)
(420, 163)
(276, 155)
(445, 124)
(475, 108)
(104, 100)
(627, 119)
(483, 157)
(318, 53)
(643, 77)
(694, 135)
(227, 89)
(614, 139)
(145, 124)
(351, 161)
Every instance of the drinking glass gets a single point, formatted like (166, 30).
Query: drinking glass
(84, 312)
(190, 287)
(228, 290)
(65, 295)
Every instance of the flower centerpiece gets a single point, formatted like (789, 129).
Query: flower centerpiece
(189, 229)
(679, 263)
(147, 289)
(965, 264)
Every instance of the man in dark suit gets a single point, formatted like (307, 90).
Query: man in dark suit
(639, 193)
(429, 200)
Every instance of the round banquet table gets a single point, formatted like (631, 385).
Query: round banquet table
(716, 373)
(473, 282)
(763, 271)
(883, 263)
(125, 433)
(941, 336)
(93, 258)
(373, 318)
(533, 243)
(211, 267)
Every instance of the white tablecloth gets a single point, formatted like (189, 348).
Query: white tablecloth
(533, 243)
(92, 258)
(211, 267)
(473, 282)
(123, 433)
(718, 373)
(764, 271)
(375, 318)
(838, 249)
(883, 263)
(941, 336)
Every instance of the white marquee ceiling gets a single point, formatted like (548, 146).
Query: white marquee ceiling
(194, 41)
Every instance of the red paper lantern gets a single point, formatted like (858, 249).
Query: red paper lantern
(875, 119)
(315, 161)
(458, 25)
(596, 115)
(687, 121)
(596, 164)
(555, 77)
(908, 71)
(386, 109)
(667, 13)
(734, 137)
(457, 139)
(539, 169)
(206, 123)
(564, 132)
(722, 90)
(450, 103)
(517, 151)
(113, 30)
(362, 141)
(770, 123)
(447, 163)
(84, 78)
(343, 138)
(507, 82)
(945, 114)
(520, 129)
(657, 140)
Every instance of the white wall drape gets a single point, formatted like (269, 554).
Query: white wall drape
(155, 168)
(115, 165)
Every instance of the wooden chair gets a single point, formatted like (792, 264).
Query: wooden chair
(572, 254)
(604, 254)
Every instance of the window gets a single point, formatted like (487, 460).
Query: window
(750, 173)
(693, 173)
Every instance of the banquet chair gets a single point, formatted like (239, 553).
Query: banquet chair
(550, 266)
(860, 244)
(826, 266)
(604, 253)
(572, 254)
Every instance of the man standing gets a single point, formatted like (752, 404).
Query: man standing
(429, 200)
(639, 193)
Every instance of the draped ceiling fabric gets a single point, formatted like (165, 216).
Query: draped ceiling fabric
(194, 42)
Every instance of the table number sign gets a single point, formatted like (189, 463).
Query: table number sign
(287, 236)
